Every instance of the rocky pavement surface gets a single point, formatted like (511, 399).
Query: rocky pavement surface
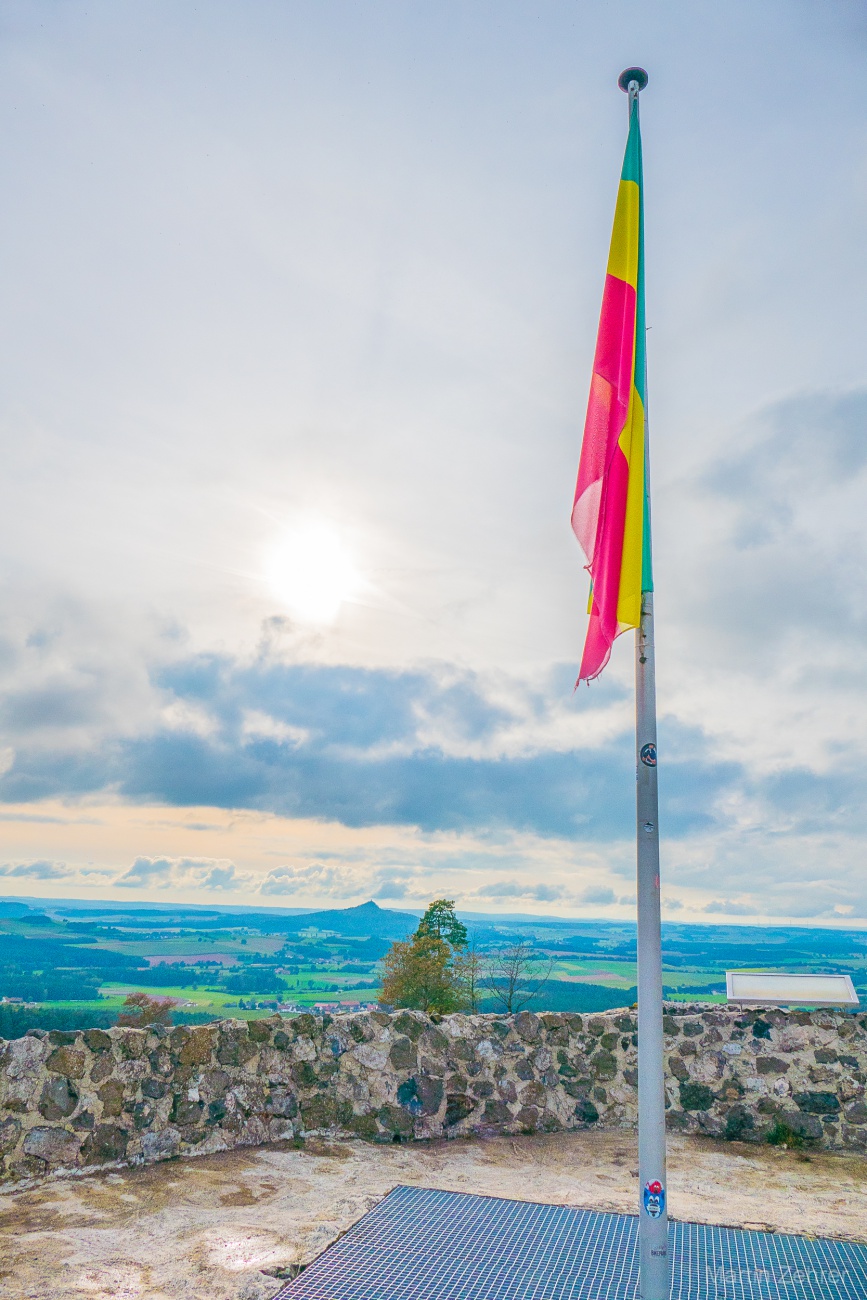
(224, 1226)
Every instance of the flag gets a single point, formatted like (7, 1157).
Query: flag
(611, 516)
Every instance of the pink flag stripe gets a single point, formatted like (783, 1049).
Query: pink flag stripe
(603, 626)
(599, 510)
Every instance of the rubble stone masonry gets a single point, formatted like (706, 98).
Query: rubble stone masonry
(94, 1097)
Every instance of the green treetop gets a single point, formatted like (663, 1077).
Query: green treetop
(441, 922)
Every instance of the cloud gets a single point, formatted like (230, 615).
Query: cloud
(353, 746)
(39, 870)
(602, 896)
(730, 908)
(200, 873)
(516, 889)
(393, 889)
(316, 878)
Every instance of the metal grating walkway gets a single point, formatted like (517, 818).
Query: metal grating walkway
(420, 1244)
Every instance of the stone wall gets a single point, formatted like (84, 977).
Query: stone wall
(77, 1100)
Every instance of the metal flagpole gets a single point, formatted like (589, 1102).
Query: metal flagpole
(653, 1207)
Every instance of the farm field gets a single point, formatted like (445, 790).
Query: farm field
(67, 962)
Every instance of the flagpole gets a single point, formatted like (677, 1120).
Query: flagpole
(654, 1263)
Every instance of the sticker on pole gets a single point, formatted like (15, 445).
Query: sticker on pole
(647, 754)
(654, 1198)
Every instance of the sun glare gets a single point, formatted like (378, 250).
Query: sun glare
(311, 571)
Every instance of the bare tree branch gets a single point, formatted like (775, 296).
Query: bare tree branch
(515, 974)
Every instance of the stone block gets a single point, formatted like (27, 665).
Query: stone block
(434, 1041)
(98, 1040)
(527, 1026)
(817, 1103)
(282, 1102)
(403, 1054)
(234, 1047)
(363, 1126)
(565, 1068)
(373, 1056)
(68, 1061)
(58, 1099)
(101, 1068)
(306, 1024)
(604, 1065)
(423, 1095)
(160, 1145)
(111, 1096)
(496, 1112)
(185, 1112)
(10, 1132)
(458, 1107)
(528, 1119)
(304, 1075)
(143, 1113)
(395, 1120)
(198, 1046)
(131, 1043)
(586, 1112)
(320, 1112)
(105, 1145)
(410, 1026)
(803, 1126)
(259, 1030)
(771, 1065)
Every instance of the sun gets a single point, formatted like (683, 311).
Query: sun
(312, 572)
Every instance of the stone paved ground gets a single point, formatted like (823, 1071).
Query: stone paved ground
(212, 1226)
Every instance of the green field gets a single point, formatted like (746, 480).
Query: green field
(78, 961)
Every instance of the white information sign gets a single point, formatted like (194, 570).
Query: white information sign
(768, 989)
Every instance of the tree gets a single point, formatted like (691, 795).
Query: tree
(441, 922)
(419, 974)
(515, 975)
(426, 972)
(469, 972)
(254, 979)
(145, 1010)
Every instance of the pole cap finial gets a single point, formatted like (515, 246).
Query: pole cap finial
(637, 75)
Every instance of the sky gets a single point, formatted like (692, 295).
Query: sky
(298, 311)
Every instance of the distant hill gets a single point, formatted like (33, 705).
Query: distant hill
(357, 922)
(13, 910)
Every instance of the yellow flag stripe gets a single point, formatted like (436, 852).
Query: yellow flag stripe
(631, 443)
(623, 254)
